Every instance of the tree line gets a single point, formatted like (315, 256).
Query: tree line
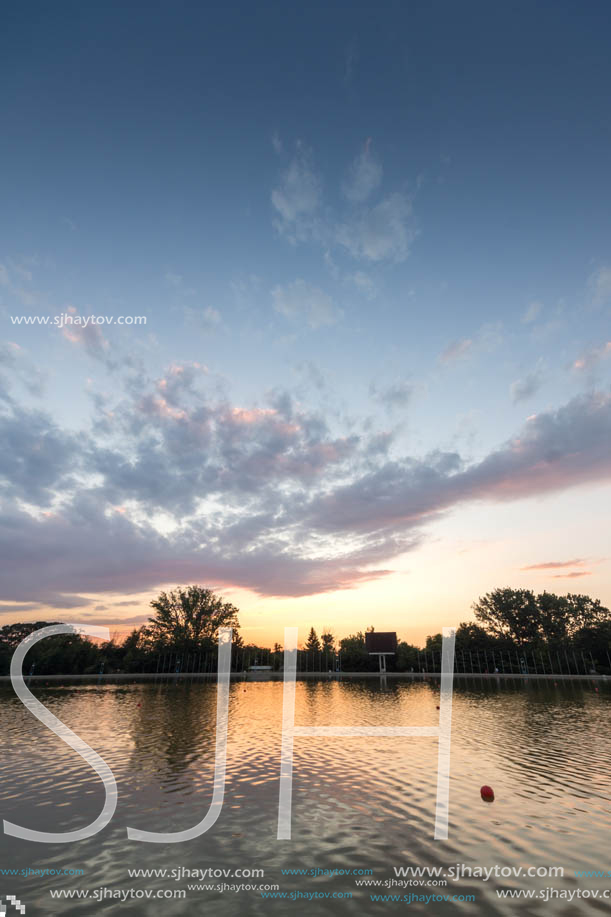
(514, 631)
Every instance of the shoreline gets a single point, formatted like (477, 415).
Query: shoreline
(279, 676)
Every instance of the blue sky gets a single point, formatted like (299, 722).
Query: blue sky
(372, 247)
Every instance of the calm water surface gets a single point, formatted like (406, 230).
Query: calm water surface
(357, 803)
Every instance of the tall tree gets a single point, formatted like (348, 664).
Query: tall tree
(327, 641)
(312, 644)
(11, 635)
(554, 617)
(585, 612)
(354, 655)
(188, 619)
(510, 613)
(520, 616)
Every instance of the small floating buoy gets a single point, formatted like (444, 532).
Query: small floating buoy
(487, 793)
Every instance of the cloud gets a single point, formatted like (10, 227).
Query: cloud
(36, 457)
(298, 195)
(556, 564)
(599, 285)
(135, 620)
(383, 232)
(488, 338)
(589, 359)
(277, 143)
(96, 553)
(553, 452)
(302, 301)
(20, 608)
(15, 361)
(363, 283)
(396, 395)
(457, 350)
(350, 60)
(82, 332)
(207, 320)
(364, 176)
(17, 279)
(525, 388)
(575, 575)
(532, 312)
(174, 483)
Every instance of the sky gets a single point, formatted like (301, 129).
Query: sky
(309, 304)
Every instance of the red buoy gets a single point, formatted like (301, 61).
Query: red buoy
(487, 793)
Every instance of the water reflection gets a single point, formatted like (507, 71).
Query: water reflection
(171, 728)
(358, 803)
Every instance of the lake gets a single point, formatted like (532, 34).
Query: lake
(364, 806)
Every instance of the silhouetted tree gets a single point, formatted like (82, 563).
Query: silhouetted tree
(312, 644)
(327, 641)
(510, 613)
(406, 657)
(595, 641)
(188, 619)
(354, 655)
(527, 619)
(474, 637)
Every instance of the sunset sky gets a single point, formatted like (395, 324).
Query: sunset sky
(372, 246)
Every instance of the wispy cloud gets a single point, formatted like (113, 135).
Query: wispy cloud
(574, 575)
(364, 175)
(599, 285)
(301, 301)
(397, 395)
(524, 388)
(16, 361)
(350, 60)
(457, 350)
(297, 197)
(368, 231)
(532, 312)
(556, 564)
(589, 359)
(277, 143)
(383, 232)
(488, 338)
(207, 319)
(89, 336)
(363, 282)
